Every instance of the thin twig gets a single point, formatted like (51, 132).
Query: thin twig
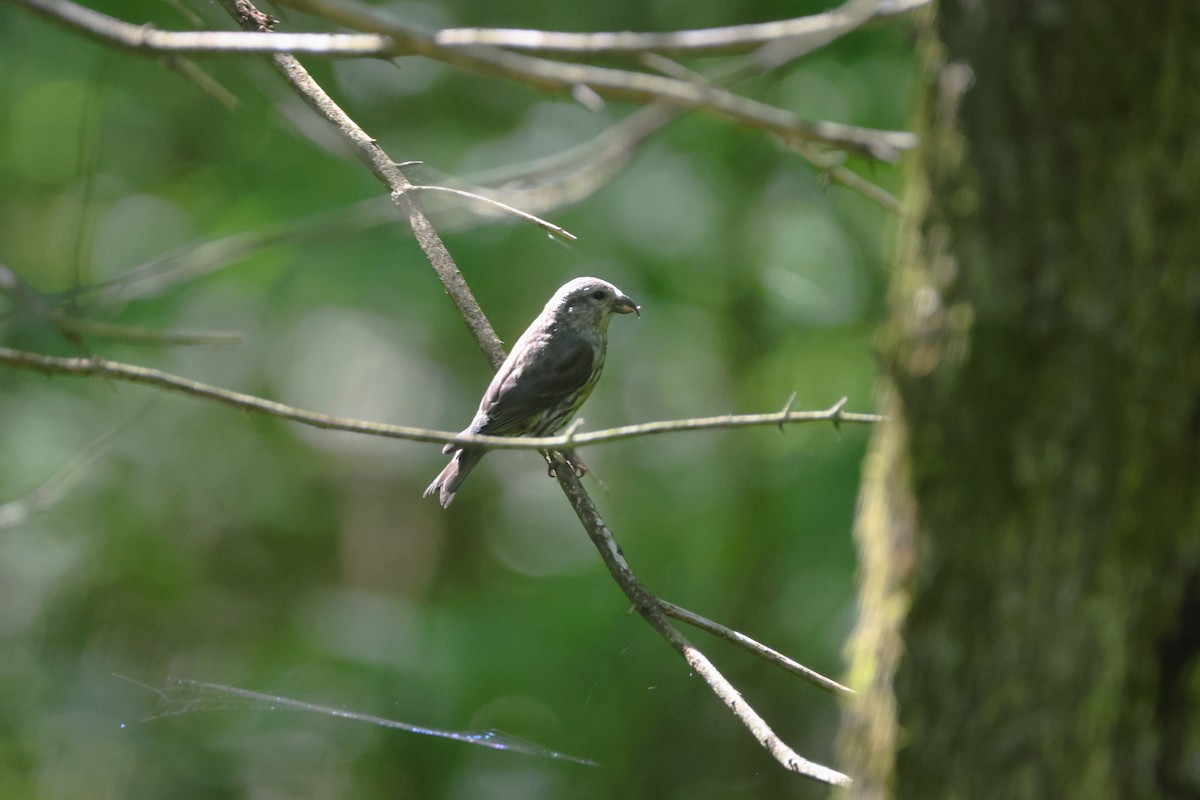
(504, 207)
(831, 167)
(129, 373)
(148, 39)
(761, 650)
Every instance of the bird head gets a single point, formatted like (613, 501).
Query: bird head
(591, 298)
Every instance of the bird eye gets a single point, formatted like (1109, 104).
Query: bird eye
(598, 294)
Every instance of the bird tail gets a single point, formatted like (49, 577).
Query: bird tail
(448, 480)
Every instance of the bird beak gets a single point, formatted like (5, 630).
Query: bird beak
(623, 305)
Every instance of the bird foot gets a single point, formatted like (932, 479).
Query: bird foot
(575, 462)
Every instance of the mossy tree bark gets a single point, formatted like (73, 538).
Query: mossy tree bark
(1030, 520)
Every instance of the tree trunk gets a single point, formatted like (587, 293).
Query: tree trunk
(1030, 521)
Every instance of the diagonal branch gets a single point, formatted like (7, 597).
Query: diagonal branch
(652, 611)
(386, 170)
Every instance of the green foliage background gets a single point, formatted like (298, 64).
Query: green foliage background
(218, 546)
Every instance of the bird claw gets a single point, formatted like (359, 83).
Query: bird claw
(573, 461)
(580, 471)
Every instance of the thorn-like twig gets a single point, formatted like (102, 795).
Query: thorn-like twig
(569, 434)
(787, 407)
(835, 413)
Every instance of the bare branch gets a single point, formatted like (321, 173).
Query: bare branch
(704, 41)
(618, 84)
(147, 39)
(129, 373)
(400, 40)
(651, 610)
(761, 650)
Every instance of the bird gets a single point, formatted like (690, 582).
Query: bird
(547, 376)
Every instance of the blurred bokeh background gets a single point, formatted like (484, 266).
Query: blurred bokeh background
(202, 543)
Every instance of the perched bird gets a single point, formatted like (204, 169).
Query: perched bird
(551, 370)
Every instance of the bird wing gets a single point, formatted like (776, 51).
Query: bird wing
(543, 378)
